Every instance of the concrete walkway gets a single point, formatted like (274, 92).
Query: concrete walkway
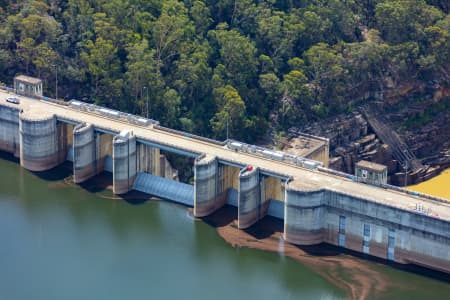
(302, 178)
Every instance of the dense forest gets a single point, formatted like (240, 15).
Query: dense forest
(196, 64)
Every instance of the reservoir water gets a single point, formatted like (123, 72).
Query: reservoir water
(60, 241)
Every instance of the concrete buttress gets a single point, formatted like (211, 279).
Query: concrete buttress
(86, 152)
(124, 162)
(206, 188)
(43, 141)
(252, 202)
(303, 216)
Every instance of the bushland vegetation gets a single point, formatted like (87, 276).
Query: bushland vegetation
(202, 63)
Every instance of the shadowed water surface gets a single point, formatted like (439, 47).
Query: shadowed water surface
(60, 241)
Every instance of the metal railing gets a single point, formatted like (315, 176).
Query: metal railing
(231, 144)
(280, 156)
(384, 186)
(8, 89)
(111, 113)
(190, 135)
(428, 212)
(321, 138)
(43, 98)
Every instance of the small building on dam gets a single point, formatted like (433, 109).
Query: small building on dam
(316, 204)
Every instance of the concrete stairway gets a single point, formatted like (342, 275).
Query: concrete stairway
(387, 135)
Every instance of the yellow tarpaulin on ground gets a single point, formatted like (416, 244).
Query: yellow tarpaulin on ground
(438, 186)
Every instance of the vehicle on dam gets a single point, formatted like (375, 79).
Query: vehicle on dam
(13, 100)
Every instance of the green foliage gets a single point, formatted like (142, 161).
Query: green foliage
(422, 118)
(403, 20)
(280, 139)
(170, 30)
(195, 64)
(101, 60)
(237, 54)
(230, 112)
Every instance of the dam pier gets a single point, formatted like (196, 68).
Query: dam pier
(317, 204)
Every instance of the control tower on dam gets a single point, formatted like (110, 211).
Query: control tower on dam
(316, 204)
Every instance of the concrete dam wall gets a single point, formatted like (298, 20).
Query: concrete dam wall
(206, 186)
(404, 236)
(84, 152)
(9, 129)
(316, 208)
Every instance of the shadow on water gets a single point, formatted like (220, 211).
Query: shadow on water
(9, 157)
(437, 275)
(262, 229)
(135, 197)
(265, 228)
(57, 173)
(222, 217)
(149, 219)
(327, 250)
(104, 181)
(98, 183)
(269, 227)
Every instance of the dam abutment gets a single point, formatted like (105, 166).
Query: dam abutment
(391, 233)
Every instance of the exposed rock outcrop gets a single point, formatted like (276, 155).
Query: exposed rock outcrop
(352, 139)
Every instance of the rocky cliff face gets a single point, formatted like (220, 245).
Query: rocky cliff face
(425, 126)
(432, 142)
(352, 139)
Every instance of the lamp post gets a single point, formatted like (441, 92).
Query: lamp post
(406, 172)
(227, 125)
(146, 95)
(228, 115)
(406, 168)
(56, 81)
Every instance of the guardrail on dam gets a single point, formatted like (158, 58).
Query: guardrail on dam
(317, 204)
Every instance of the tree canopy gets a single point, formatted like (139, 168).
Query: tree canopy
(199, 65)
